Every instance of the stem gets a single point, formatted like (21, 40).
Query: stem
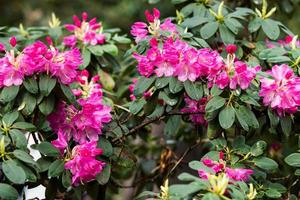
(230, 98)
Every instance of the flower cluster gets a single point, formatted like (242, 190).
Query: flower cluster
(38, 58)
(281, 90)
(171, 56)
(288, 42)
(83, 126)
(197, 108)
(87, 32)
(235, 174)
(140, 30)
(84, 166)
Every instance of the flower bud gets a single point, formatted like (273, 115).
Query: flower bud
(231, 48)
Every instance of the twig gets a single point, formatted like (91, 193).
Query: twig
(149, 121)
(183, 156)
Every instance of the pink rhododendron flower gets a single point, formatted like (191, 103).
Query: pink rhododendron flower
(281, 91)
(193, 106)
(11, 72)
(233, 73)
(61, 142)
(64, 65)
(140, 30)
(236, 174)
(145, 67)
(87, 32)
(85, 124)
(84, 166)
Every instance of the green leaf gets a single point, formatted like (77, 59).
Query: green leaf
(43, 164)
(258, 148)
(233, 25)
(226, 35)
(271, 53)
(158, 111)
(13, 172)
(103, 177)
(184, 190)
(56, 168)
(137, 105)
(9, 118)
(96, 50)
(47, 105)
(66, 179)
(172, 125)
(19, 138)
(111, 49)
(9, 93)
(194, 21)
(194, 90)
(210, 196)
(7, 192)
(227, 117)
(271, 28)
(143, 85)
(31, 85)
(167, 99)
(255, 24)
(69, 95)
(46, 149)
(214, 104)
(30, 103)
(293, 159)
(162, 82)
(215, 91)
(209, 29)
(286, 125)
(46, 84)
(273, 193)
(24, 126)
(250, 100)
(279, 59)
(246, 117)
(265, 163)
(106, 79)
(106, 146)
(175, 85)
(86, 55)
(121, 39)
(23, 156)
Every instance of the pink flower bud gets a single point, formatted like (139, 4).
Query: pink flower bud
(231, 48)
(76, 20)
(49, 40)
(2, 47)
(288, 39)
(84, 16)
(156, 13)
(85, 73)
(96, 78)
(13, 41)
(149, 17)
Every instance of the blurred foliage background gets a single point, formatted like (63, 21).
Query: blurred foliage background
(121, 13)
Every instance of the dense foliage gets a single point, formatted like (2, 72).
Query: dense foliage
(103, 114)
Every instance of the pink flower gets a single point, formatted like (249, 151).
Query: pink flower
(140, 30)
(87, 32)
(281, 91)
(84, 166)
(243, 75)
(70, 40)
(64, 65)
(61, 142)
(2, 47)
(210, 62)
(145, 67)
(193, 106)
(239, 174)
(11, 70)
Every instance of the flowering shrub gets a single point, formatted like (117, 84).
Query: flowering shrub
(203, 105)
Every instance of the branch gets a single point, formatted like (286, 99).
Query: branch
(149, 121)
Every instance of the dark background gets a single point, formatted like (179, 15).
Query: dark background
(117, 13)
